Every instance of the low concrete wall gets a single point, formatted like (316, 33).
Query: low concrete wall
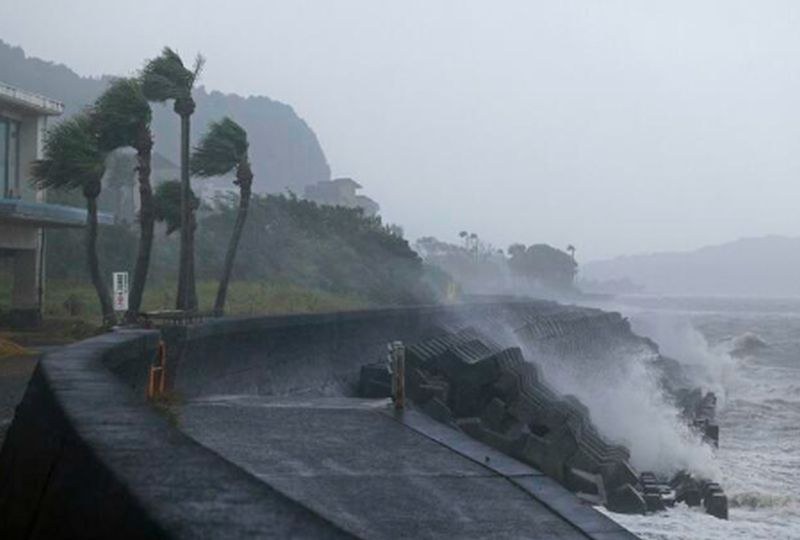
(86, 458)
(318, 354)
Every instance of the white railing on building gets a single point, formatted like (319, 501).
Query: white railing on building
(42, 103)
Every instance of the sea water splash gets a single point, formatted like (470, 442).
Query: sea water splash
(759, 453)
(629, 406)
(711, 368)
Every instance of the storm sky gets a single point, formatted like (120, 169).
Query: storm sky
(617, 126)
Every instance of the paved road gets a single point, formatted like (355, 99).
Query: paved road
(380, 477)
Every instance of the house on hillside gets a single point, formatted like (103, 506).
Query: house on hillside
(24, 215)
(341, 192)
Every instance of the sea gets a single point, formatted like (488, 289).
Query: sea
(748, 351)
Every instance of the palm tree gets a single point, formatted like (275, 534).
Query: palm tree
(121, 117)
(73, 160)
(165, 78)
(571, 250)
(222, 149)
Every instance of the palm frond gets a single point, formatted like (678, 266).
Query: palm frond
(165, 77)
(72, 158)
(222, 148)
(199, 64)
(120, 113)
(167, 204)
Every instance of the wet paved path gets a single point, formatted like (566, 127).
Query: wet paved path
(380, 476)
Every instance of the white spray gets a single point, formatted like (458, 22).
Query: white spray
(628, 404)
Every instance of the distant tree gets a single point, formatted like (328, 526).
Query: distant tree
(543, 266)
(165, 78)
(221, 150)
(571, 251)
(473, 242)
(121, 117)
(515, 250)
(73, 160)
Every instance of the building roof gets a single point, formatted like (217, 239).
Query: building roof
(29, 101)
(345, 181)
(37, 214)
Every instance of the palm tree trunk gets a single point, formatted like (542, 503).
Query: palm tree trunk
(241, 216)
(94, 264)
(187, 295)
(146, 224)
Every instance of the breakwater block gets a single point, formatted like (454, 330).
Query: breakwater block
(495, 395)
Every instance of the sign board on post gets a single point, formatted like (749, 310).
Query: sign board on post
(120, 281)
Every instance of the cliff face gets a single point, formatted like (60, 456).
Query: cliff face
(284, 150)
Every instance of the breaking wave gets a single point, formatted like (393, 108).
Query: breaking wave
(629, 405)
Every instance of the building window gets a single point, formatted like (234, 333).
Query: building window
(13, 159)
(4, 156)
(9, 159)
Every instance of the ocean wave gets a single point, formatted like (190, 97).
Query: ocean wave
(755, 500)
(747, 344)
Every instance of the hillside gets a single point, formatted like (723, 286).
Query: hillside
(765, 266)
(284, 149)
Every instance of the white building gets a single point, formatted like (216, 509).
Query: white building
(24, 214)
(341, 192)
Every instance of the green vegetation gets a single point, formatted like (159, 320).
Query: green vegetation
(71, 310)
(288, 241)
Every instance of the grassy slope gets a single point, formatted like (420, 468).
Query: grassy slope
(244, 298)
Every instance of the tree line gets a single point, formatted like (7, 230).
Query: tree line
(481, 268)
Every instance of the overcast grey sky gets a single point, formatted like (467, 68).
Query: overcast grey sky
(618, 126)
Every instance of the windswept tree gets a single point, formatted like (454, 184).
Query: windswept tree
(121, 118)
(73, 160)
(165, 78)
(221, 150)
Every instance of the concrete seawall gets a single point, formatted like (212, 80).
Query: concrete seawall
(321, 353)
(87, 457)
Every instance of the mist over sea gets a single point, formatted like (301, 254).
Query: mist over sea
(758, 460)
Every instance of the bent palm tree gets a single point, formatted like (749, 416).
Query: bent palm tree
(73, 160)
(222, 149)
(121, 117)
(165, 78)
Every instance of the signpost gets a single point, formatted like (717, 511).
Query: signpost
(120, 281)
